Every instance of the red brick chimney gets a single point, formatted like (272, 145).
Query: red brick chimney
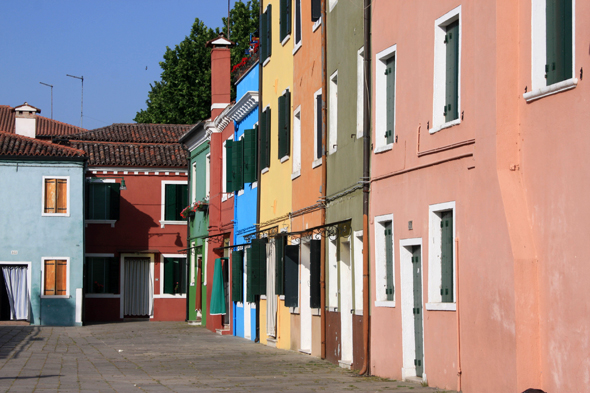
(220, 74)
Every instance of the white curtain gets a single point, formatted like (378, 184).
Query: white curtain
(271, 298)
(139, 292)
(15, 278)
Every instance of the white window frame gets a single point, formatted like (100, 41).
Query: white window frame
(193, 262)
(381, 260)
(296, 27)
(193, 182)
(99, 180)
(164, 222)
(68, 205)
(434, 258)
(357, 250)
(333, 289)
(100, 295)
(67, 295)
(333, 114)
(381, 58)
(317, 161)
(440, 77)
(224, 194)
(205, 257)
(360, 89)
(163, 295)
(539, 88)
(207, 175)
(332, 4)
(296, 143)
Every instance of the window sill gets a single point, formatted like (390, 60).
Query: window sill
(266, 62)
(358, 312)
(385, 303)
(555, 88)
(164, 223)
(441, 306)
(448, 124)
(168, 296)
(316, 163)
(265, 170)
(286, 39)
(262, 297)
(383, 149)
(55, 296)
(317, 24)
(285, 158)
(295, 175)
(294, 310)
(102, 296)
(297, 47)
(316, 312)
(241, 192)
(253, 185)
(112, 222)
(281, 297)
(55, 214)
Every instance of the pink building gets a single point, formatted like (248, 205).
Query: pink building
(478, 221)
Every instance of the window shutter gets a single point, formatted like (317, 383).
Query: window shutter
(269, 30)
(263, 35)
(50, 194)
(181, 200)
(252, 281)
(283, 19)
(170, 202)
(181, 272)
(267, 139)
(316, 10)
(315, 267)
(237, 275)
(62, 196)
(287, 124)
(390, 78)
(558, 40)
(229, 175)
(262, 147)
(169, 276)
(289, 16)
(49, 278)
(280, 264)
(112, 274)
(61, 277)
(281, 117)
(389, 288)
(319, 126)
(297, 21)
(447, 256)
(250, 157)
(262, 266)
(451, 110)
(292, 275)
(238, 164)
(114, 200)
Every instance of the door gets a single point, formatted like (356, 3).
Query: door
(14, 294)
(305, 299)
(346, 302)
(138, 288)
(417, 291)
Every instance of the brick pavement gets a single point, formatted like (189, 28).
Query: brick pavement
(164, 357)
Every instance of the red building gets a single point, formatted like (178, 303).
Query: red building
(136, 187)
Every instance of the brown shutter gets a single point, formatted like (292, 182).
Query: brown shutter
(62, 196)
(61, 276)
(50, 195)
(49, 278)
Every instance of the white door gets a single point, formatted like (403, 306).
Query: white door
(271, 298)
(138, 289)
(247, 332)
(304, 304)
(345, 303)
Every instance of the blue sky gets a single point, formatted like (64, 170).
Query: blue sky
(109, 42)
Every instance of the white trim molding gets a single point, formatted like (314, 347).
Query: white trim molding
(434, 257)
(163, 221)
(381, 261)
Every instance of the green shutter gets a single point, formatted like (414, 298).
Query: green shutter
(281, 133)
(292, 276)
(318, 125)
(267, 134)
(169, 276)
(390, 102)
(181, 199)
(250, 157)
(389, 288)
(229, 175)
(112, 275)
(97, 201)
(558, 40)
(114, 201)
(237, 275)
(287, 123)
(283, 19)
(263, 35)
(262, 147)
(238, 165)
(316, 10)
(262, 266)
(447, 256)
(451, 109)
(269, 30)
(252, 271)
(279, 264)
(170, 202)
(315, 271)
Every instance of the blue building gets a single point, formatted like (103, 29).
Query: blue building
(42, 231)
(245, 115)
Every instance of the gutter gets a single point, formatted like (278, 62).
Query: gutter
(259, 170)
(190, 253)
(324, 177)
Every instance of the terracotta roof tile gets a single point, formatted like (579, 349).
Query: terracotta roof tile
(171, 155)
(46, 128)
(135, 133)
(21, 146)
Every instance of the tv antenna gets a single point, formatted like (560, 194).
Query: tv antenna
(82, 101)
(47, 84)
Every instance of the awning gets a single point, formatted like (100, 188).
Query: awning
(217, 305)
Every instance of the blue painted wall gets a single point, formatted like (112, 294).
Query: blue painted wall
(246, 201)
(32, 236)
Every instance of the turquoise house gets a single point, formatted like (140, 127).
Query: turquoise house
(42, 232)
(244, 113)
(197, 141)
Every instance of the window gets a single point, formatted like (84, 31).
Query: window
(553, 42)
(316, 10)
(174, 281)
(296, 143)
(297, 25)
(102, 200)
(207, 175)
(55, 277)
(174, 200)
(256, 269)
(315, 255)
(227, 178)
(102, 275)
(237, 275)
(266, 35)
(56, 198)
(241, 157)
(447, 70)
(285, 20)
(441, 257)
(385, 103)
(360, 86)
(333, 126)
(318, 122)
(194, 182)
(332, 275)
(250, 162)
(265, 119)
(284, 125)
(384, 261)
(292, 276)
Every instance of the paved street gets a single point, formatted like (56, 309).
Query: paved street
(163, 357)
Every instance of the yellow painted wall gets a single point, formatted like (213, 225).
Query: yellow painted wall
(262, 325)
(276, 191)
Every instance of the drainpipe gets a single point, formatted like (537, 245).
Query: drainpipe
(459, 372)
(366, 174)
(259, 170)
(324, 179)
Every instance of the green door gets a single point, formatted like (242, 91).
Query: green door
(418, 332)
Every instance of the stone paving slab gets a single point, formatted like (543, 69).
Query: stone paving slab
(165, 357)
